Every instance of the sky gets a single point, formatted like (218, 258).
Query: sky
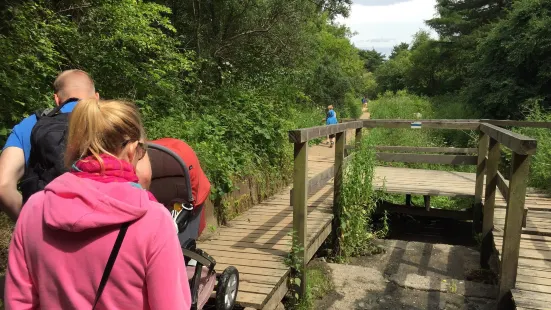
(381, 24)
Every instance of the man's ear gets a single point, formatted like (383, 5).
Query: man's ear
(57, 100)
(96, 96)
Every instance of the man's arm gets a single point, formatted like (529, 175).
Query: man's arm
(12, 168)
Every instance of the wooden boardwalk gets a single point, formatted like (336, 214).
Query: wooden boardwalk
(257, 242)
(425, 182)
(533, 283)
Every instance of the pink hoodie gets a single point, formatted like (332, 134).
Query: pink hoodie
(65, 234)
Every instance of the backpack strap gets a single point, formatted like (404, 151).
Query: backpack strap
(111, 262)
(53, 111)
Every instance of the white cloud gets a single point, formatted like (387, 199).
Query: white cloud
(383, 26)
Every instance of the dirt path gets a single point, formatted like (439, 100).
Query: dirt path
(410, 275)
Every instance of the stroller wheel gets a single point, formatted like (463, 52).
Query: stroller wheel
(226, 292)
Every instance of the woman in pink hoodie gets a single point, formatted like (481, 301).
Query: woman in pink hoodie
(65, 234)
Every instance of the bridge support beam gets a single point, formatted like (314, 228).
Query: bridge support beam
(520, 168)
(483, 142)
(489, 201)
(300, 213)
(337, 185)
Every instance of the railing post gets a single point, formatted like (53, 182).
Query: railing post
(337, 184)
(520, 168)
(489, 202)
(300, 209)
(483, 141)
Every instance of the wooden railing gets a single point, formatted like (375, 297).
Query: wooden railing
(522, 147)
(486, 158)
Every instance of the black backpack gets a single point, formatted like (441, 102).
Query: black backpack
(48, 139)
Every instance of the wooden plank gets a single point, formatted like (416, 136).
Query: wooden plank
(520, 168)
(433, 123)
(253, 300)
(251, 263)
(258, 288)
(428, 158)
(530, 304)
(318, 240)
(503, 186)
(531, 295)
(318, 181)
(306, 134)
(533, 288)
(534, 280)
(236, 254)
(448, 150)
(512, 123)
(531, 273)
(243, 269)
(518, 143)
(272, 300)
(260, 279)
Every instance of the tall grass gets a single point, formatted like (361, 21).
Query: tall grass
(403, 105)
(540, 167)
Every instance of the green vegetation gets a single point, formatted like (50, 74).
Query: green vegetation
(358, 202)
(489, 60)
(540, 172)
(228, 77)
(318, 285)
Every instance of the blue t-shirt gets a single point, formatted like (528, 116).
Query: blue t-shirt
(20, 136)
(331, 118)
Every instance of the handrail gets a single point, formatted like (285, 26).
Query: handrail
(449, 150)
(518, 143)
(500, 123)
(307, 134)
(422, 123)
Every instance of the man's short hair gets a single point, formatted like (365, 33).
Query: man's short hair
(61, 81)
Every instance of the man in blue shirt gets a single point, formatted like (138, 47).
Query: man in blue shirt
(69, 86)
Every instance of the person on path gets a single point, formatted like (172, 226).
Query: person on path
(365, 100)
(65, 233)
(26, 153)
(331, 119)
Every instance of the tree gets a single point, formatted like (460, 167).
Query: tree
(371, 58)
(398, 48)
(514, 61)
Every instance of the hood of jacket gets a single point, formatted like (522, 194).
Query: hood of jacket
(75, 204)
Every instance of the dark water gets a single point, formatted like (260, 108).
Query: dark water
(430, 229)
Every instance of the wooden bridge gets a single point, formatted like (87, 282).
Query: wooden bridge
(515, 224)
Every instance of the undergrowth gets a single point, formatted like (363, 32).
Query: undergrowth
(357, 203)
(318, 285)
(403, 105)
(540, 166)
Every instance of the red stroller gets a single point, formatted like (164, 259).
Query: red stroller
(171, 185)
